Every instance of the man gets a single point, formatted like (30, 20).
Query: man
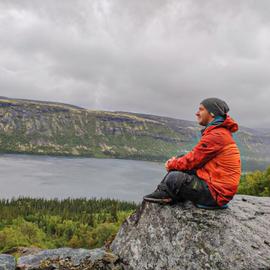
(209, 174)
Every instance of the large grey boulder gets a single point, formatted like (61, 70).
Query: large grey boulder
(163, 237)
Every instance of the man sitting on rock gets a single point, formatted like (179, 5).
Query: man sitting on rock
(209, 174)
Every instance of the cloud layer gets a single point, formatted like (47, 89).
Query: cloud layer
(155, 56)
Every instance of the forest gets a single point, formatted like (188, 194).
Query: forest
(43, 223)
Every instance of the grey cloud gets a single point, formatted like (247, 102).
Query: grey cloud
(158, 57)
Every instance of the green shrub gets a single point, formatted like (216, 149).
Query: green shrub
(256, 183)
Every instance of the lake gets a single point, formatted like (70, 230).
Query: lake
(62, 177)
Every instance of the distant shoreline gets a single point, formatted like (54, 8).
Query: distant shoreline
(72, 156)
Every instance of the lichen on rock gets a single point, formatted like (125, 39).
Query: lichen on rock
(7, 262)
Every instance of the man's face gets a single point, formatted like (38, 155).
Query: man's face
(203, 116)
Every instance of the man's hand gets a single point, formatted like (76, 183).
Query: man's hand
(169, 163)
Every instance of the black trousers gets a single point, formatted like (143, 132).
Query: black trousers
(188, 186)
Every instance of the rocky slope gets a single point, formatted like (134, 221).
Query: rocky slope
(60, 129)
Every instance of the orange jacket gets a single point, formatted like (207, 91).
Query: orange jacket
(216, 159)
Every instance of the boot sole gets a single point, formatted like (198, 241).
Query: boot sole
(167, 200)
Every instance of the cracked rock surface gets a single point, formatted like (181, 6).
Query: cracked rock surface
(184, 237)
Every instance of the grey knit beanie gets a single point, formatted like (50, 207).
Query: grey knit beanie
(215, 106)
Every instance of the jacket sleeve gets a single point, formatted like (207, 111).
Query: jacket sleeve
(207, 148)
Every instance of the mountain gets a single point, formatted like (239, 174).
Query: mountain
(40, 127)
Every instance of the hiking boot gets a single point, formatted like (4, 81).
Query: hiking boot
(160, 195)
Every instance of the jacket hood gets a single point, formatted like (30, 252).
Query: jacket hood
(228, 123)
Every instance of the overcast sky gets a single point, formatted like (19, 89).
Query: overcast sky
(153, 56)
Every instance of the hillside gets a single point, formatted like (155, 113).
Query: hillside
(38, 127)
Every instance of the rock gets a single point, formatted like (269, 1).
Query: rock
(184, 237)
(7, 262)
(23, 251)
(68, 258)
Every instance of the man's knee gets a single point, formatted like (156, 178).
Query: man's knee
(174, 175)
(175, 179)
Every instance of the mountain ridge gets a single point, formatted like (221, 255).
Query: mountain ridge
(53, 128)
